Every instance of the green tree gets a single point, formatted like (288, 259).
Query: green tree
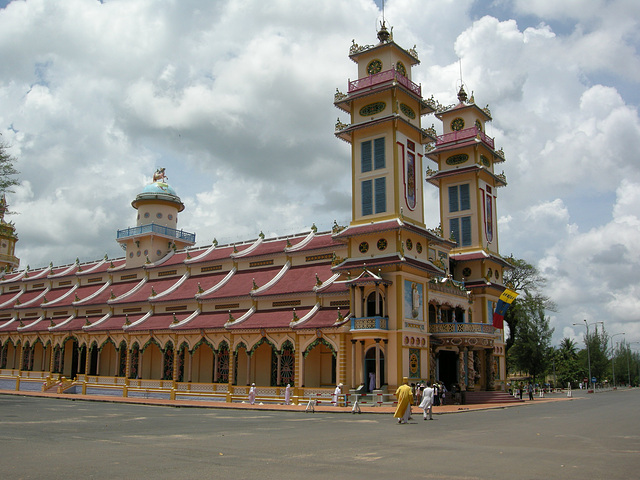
(596, 354)
(531, 351)
(565, 360)
(522, 277)
(8, 172)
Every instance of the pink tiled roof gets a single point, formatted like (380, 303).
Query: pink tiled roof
(35, 325)
(323, 318)
(241, 283)
(57, 293)
(75, 324)
(299, 279)
(82, 292)
(30, 298)
(9, 325)
(322, 241)
(215, 254)
(189, 288)
(7, 297)
(270, 319)
(209, 320)
(145, 292)
(158, 322)
(117, 289)
(268, 247)
(115, 322)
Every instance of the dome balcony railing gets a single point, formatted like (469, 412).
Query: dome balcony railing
(160, 229)
(369, 323)
(457, 327)
(382, 77)
(464, 135)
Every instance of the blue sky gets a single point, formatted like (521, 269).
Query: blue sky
(235, 99)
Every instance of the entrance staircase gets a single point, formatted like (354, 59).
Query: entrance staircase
(490, 397)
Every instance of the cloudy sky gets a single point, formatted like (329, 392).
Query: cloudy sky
(235, 99)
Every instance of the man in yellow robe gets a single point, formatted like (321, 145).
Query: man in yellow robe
(405, 400)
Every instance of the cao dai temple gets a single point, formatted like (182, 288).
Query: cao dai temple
(367, 304)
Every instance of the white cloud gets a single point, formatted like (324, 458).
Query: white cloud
(235, 98)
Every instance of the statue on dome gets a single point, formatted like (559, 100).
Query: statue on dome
(159, 175)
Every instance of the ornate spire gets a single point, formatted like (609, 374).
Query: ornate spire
(383, 34)
(462, 95)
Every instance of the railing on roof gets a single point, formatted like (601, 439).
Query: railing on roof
(370, 323)
(382, 77)
(463, 135)
(455, 327)
(160, 229)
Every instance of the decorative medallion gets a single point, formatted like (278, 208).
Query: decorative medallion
(479, 125)
(158, 253)
(372, 109)
(457, 124)
(409, 244)
(375, 66)
(146, 214)
(497, 274)
(400, 68)
(414, 363)
(485, 161)
(419, 247)
(170, 217)
(457, 159)
(364, 247)
(410, 180)
(489, 273)
(466, 272)
(158, 215)
(382, 244)
(407, 110)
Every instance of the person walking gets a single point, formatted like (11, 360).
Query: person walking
(427, 401)
(287, 394)
(252, 394)
(336, 393)
(530, 389)
(405, 399)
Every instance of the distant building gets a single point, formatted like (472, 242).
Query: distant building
(379, 299)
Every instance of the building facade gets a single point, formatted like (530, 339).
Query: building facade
(369, 303)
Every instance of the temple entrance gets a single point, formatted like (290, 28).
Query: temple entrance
(448, 368)
(370, 369)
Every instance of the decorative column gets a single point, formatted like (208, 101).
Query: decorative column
(139, 364)
(97, 365)
(462, 380)
(377, 363)
(216, 358)
(279, 367)
(471, 372)
(377, 300)
(190, 364)
(248, 367)
(361, 302)
(176, 354)
(353, 363)
(386, 363)
(364, 380)
(491, 372)
(341, 361)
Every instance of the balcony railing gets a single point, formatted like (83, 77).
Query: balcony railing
(461, 328)
(160, 229)
(464, 135)
(382, 77)
(370, 323)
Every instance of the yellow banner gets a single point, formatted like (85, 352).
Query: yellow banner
(508, 296)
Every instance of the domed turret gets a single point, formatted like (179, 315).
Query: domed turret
(8, 239)
(156, 233)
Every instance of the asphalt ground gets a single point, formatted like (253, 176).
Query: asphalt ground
(590, 436)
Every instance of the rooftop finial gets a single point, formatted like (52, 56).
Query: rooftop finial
(383, 34)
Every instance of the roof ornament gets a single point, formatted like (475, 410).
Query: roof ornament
(159, 175)
(126, 319)
(462, 95)
(215, 242)
(383, 33)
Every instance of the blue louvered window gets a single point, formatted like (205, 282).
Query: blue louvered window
(365, 156)
(460, 229)
(374, 196)
(381, 194)
(367, 197)
(459, 198)
(378, 153)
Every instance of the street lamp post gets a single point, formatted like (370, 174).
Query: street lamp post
(613, 367)
(588, 352)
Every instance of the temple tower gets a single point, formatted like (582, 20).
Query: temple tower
(156, 233)
(389, 249)
(8, 239)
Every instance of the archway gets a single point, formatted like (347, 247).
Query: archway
(152, 361)
(370, 368)
(448, 368)
(202, 363)
(320, 365)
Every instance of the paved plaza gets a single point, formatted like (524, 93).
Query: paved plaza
(591, 436)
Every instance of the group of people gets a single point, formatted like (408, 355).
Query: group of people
(253, 391)
(425, 396)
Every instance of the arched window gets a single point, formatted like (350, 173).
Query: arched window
(371, 309)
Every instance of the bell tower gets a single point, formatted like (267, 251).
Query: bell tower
(466, 160)
(155, 233)
(8, 239)
(385, 107)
